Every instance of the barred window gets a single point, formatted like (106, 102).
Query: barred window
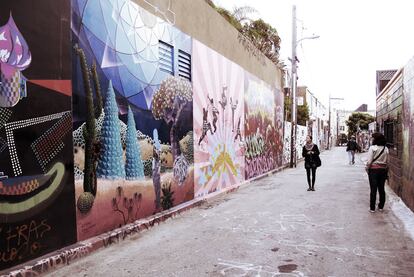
(389, 131)
(184, 65)
(166, 55)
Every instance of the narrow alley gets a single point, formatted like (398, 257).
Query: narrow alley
(273, 227)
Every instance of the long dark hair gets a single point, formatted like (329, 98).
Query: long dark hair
(379, 139)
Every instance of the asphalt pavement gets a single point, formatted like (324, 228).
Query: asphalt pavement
(273, 227)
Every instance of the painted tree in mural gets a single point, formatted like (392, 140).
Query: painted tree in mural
(89, 131)
(110, 164)
(134, 168)
(167, 104)
(156, 169)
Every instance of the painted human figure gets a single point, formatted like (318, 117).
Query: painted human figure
(233, 108)
(156, 169)
(206, 126)
(223, 102)
(238, 132)
(214, 112)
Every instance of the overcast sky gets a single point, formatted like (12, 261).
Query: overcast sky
(357, 37)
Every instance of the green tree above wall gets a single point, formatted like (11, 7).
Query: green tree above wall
(263, 36)
(302, 112)
(288, 108)
(360, 120)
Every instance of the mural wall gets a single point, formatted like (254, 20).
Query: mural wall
(263, 127)
(408, 135)
(218, 121)
(302, 132)
(132, 107)
(37, 208)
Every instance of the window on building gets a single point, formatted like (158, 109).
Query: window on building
(166, 55)
(184, 65)
(342, 128)
(389, 131)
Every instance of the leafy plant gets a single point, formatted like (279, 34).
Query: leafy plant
(302, 112)
(358, 120)
(262, 35)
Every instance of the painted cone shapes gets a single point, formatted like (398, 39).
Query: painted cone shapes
(134, 168)
(110, 164)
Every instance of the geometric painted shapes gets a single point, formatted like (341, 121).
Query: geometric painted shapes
(139, 100)
(11, 126)
(48, 145)
(14, 211)
(3, 145)
(22, 185)
(5, 115)
(110, 163)
(134, 168)
(14, 57)
(9, 89)
(62, 86)
(14, 49)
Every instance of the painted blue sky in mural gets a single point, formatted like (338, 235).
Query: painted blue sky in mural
(124, 39)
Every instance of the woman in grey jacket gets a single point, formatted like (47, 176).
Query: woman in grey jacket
(377, 168)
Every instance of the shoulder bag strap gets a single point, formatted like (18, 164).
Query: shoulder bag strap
(376, 158)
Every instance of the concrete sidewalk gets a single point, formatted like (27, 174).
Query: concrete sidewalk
(273, 227)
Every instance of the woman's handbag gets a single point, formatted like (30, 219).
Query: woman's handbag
(318, 161)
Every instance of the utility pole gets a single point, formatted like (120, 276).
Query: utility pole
(329, 122)
(293, 92)
(294, 77)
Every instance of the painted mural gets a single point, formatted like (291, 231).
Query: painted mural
(37, 208)
(133, 138)
(218, 121)
(408, 135)
(302, 132)
(263, 127)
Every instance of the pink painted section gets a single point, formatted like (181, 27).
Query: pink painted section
(219, 155)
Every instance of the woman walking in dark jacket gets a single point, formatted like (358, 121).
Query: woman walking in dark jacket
(310, 152)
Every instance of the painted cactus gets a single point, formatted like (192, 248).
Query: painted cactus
(14, 58)
(97, 86)
(134, 169)
(89, 133)
(110, 163)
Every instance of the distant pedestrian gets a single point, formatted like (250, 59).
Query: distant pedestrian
(351, 147)
(377, 169)
(310, 152)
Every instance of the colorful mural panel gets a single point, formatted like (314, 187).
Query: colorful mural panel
(263, 127)
(132, 104)
(37, 208)
(218, 121)
(302, 132)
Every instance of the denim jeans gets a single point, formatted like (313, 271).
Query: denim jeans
(377, 179)
(351, 155)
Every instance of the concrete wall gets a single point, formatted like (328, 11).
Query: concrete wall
(407, 191)
(197, 19)
(133, 113)
(389, 108)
